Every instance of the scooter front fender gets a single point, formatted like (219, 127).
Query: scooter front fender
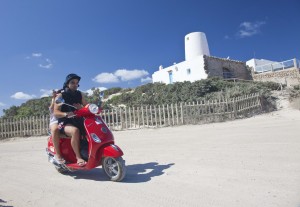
(112, 150)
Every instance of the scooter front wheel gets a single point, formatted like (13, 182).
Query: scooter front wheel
(114, 168)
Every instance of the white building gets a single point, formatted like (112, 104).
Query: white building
(262, 65)
(256, 63)
(192, 68)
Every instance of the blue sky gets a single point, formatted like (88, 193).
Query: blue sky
(120, 43)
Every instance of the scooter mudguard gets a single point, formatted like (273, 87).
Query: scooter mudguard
(112, 150)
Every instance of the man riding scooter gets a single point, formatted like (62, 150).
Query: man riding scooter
(72, 127)
(97, 145)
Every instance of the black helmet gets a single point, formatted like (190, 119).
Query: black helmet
(70, 77)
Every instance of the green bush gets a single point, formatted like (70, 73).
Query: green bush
(159, 93)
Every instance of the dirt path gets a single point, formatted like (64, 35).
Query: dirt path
(250, 162)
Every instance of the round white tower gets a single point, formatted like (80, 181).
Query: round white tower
(195, 45)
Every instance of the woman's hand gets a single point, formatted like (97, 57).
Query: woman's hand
(54, 94)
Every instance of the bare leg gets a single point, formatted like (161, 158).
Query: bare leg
(75, 140)
(55, 138)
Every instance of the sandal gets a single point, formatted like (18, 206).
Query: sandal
(60, 161)
(81, 163)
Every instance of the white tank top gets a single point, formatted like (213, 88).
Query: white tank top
(53, 119)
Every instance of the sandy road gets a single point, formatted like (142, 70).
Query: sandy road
(250, 162)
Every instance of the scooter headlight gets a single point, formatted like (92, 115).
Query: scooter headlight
(93, 108)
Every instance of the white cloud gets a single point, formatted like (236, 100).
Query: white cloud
(38, 57)
(248, 29)
(146, 80)
(45, 93)
(21, 95)
(47, 65)
(127, 75)
(106, 78)
(90, 92)
(2, 104)
(120, 75)
(36, 54)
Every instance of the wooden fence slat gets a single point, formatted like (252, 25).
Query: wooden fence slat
(147, 118)
(181, 112)
(155, 116)
(151, 116)
(126, 125)
(159, 115)
(143, 118)
(168, 112)
(176, 110)
(138, 117)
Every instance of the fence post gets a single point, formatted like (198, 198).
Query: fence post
(181, 111)
(150, 114)
(168, 115)
(176, 110)
(133, 114)
(126, 125)
(138, 116)
(172, 110)
(159, 114)
(155, 116)
(121, 118)
(234, 108)
(129, 111)
(164, 114)
(117, 119)
(147, 118)
(143, 118)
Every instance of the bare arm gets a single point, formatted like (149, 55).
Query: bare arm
(51, 107)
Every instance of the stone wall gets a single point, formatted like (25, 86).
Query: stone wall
(289, 77)
(214, 67)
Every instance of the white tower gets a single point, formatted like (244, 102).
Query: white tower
(195, 45)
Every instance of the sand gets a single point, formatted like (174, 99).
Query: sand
(250, 162)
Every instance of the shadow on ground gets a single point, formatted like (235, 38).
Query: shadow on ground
(137, 173)
(3, 201)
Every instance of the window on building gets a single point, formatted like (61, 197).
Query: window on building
(227, 74)
(188, 71)
(170, 76)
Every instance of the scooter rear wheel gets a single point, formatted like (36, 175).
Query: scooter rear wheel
(114, 168)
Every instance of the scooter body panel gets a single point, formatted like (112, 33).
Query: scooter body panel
(112, 151)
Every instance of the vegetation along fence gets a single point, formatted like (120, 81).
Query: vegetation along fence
(125, 118)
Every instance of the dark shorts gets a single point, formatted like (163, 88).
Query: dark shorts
(77, 122)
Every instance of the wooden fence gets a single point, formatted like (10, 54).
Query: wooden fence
(148, 116)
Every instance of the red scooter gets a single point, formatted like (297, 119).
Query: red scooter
(96, 148)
